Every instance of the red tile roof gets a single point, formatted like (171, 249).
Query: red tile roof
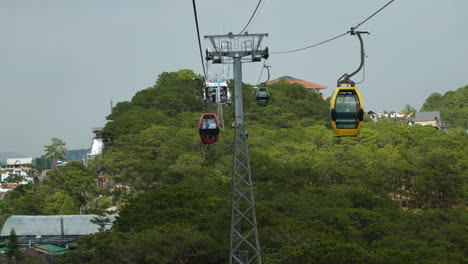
(306, 84)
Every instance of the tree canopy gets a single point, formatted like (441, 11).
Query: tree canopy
(56, 150)
(63, 192)
(453, 106)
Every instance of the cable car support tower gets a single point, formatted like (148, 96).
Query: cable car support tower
(220, 105)
(245, 246)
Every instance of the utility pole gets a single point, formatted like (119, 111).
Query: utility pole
(245, 246)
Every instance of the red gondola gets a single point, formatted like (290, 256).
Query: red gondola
(209, 128)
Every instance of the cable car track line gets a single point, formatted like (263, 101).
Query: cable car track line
(198, 35)
(311, 46)
(339, 36)
(253, 14)
(365, 20)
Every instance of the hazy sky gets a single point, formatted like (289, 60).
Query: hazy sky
(62, 62)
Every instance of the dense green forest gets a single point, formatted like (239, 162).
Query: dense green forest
(453, 106)
(394, 194)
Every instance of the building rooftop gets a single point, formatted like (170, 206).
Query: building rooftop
(51, 225)
(427, 116)
(306, 84)
(51, 249)
(14, 161)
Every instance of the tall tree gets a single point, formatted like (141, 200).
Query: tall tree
(13, 247)
(56, 150)
(409, 110)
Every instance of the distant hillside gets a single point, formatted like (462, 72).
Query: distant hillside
(77, 154)
(452, 105)
(8, 155)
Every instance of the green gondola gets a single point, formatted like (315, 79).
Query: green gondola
(263, 96)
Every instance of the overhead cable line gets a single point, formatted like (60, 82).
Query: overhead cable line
(339, 36)
(253, 14)
(365, 20)
(311, 46)
(198, 35)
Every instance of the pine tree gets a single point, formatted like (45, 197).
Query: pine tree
(13, 247)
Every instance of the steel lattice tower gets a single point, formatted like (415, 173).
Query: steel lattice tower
(245, 245)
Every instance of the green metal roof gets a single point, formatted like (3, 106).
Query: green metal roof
(53, 249)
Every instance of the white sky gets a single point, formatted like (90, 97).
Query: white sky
(63, 61)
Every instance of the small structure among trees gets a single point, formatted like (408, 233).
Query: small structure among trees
(310, 86)
(17, 166)
(428, 118)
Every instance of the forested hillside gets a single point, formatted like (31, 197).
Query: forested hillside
(394, 194)
(453, 106)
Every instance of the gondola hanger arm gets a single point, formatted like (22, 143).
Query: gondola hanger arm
(268, 78)
(268, 69)
(346, 78)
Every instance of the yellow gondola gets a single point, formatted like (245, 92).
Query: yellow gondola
(346, 107)
(346, 111)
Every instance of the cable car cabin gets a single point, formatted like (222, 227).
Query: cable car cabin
(211, 88)
(263, 95)
(346, 110)
(209, 128)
